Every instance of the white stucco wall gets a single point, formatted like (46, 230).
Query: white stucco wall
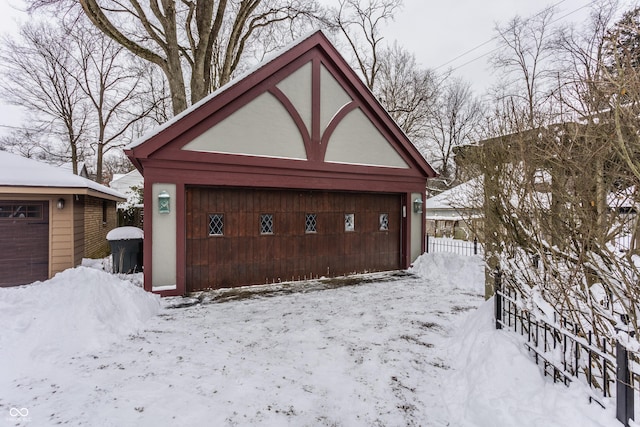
(417, 226)
(263, 127)
(297, 87)
(332, 98)
(164, 239)
(357, 141)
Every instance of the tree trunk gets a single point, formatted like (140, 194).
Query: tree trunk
(99, 159)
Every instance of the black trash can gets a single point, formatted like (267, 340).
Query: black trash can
(126, 249)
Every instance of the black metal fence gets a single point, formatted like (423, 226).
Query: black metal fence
(460, 247)
(568, 353)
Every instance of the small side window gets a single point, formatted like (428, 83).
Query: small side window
(310, 223)
(384, 222)
(104, 212)
(216, 224)
(349, 222)
(266, 224)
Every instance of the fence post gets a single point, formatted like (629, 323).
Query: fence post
(624, 391)
(475, 245)
(427, 243)
(497, 290)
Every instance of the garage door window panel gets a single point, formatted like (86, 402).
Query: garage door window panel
(310, 223)
(349, 222)
(20, 211)
(216, 224)
(266, 224)
(384, 222)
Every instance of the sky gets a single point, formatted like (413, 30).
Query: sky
(442, 34)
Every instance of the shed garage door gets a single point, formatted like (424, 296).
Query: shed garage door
(247, 236)
(24, 242)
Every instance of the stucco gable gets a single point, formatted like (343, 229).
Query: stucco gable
(261, 128)
(305, 105)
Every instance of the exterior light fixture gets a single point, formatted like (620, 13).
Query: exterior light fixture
(164, 202)
(60, 204)
(417, 206)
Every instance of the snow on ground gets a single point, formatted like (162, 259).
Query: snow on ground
(408, 349)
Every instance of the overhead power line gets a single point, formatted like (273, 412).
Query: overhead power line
(494, 38)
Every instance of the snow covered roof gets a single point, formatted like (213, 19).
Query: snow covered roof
(18, 171)
(464, 196)
(124, 182)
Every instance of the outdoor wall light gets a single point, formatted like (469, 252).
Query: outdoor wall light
(164, 202)
(417, 206)
(60, 204)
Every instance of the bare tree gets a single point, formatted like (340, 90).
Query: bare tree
(83, 91)
(407, 91)
(360, 22)
(38, 75)
(454, 121)
(118, 94)
(559, 198)
(525, 46)
(581, 53)
(198, 44)
(28, 143)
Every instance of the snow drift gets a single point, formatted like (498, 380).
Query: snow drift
(77, 311)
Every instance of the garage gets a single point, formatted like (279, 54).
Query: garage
(50, 219)
(291, 172)
(24, 253)
(249, 236)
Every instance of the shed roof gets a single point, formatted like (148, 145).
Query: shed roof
(20, 172)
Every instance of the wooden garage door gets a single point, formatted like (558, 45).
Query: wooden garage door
(244, 236)
(24, 242)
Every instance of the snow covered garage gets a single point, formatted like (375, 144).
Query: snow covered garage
(294, 170)
(49, 219)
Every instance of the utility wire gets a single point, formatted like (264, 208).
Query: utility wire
(494, 38)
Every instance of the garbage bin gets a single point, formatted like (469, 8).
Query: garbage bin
(126, 249)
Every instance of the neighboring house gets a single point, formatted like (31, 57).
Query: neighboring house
(49, 219)
(130, 212)
(128, 182)
(291, 172)
(456, 212)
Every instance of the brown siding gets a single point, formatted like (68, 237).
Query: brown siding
(78, 229)
(244, 256)
(61, 236)
(95, 229)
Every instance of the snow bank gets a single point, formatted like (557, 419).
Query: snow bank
(496, 383)
(79, 310)
(125, 233)
(461, 272)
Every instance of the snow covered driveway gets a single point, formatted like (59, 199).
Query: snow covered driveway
(389, 353)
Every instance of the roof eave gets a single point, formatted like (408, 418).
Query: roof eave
(31, 190)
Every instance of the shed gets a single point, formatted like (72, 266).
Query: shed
(291, 171)
(49, 219)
